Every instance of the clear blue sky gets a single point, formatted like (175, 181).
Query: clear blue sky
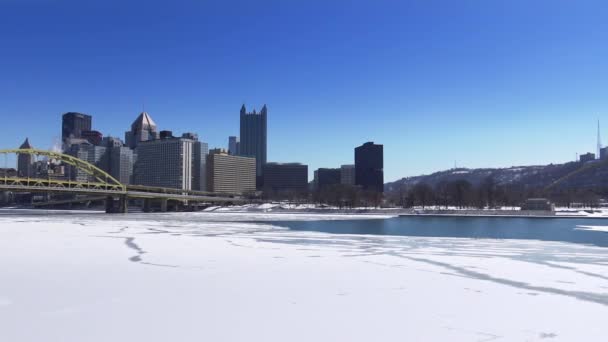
(485, 83)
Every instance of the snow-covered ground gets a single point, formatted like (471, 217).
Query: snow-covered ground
(223, 277)
(595, 212)
(304, 208)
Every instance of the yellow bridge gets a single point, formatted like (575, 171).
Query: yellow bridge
(101, 183)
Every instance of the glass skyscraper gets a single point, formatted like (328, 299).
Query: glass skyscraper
(72, 126)
(253, 138)
(369, 166)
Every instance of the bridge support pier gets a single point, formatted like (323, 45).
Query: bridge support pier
(124, 204)
(118, 205)
(147, 205)
(163, 205)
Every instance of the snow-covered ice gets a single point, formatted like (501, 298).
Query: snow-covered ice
(238, 277)
(594, 228)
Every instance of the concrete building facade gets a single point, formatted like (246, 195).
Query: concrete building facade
(168, 163)
(88, 152)
(604, 153)
(587, 157)
(230, 174)
(347, 174)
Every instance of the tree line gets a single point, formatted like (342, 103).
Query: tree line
(489, 194)
(457, 193)
(337, 195)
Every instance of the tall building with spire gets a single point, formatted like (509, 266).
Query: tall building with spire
(254, 138)
(142, 129)
(25, 162)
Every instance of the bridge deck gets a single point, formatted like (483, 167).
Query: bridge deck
(64, 186)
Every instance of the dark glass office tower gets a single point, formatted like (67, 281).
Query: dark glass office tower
(73, 124)
(253, 138)
(369, 166)
(287, 177)
(328, 177)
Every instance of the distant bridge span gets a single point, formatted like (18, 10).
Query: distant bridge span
(101, 183)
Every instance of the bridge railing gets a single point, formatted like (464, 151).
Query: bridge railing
(57, 184)
(143, 188)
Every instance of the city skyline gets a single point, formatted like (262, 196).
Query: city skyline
(521, 87)
(56, 145)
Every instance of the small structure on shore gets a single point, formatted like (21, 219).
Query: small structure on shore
(538, 204)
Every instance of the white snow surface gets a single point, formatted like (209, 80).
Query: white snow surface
(238, 277)
(594, 228)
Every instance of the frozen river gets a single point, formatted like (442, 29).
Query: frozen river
(292, 277)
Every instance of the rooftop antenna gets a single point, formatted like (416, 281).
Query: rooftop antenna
(599, 140)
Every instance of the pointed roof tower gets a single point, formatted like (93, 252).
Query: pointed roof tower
(26, 144)
(143, 122)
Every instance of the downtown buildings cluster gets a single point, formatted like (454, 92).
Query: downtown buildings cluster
(152, 157)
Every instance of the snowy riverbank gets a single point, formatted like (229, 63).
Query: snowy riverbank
(220, 277)
(429, 210)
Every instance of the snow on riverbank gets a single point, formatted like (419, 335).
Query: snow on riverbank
(594, 228)
(237, 277)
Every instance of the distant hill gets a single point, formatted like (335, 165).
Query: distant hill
(555, 176)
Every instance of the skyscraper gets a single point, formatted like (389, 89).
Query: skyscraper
(285, 178)
(72, 126)
(88, 152)
(230, 174)
(347, 174)
(200, 150)
(142, 129)
(25, 162)
(369, 167)
(233, 143)
(253, 138)
(169, 163)
(120, 160)
(94, 137)
(327, 177)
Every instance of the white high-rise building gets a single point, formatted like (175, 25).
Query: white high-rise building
(170, 163)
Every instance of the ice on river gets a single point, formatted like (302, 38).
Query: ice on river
(238, 277)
